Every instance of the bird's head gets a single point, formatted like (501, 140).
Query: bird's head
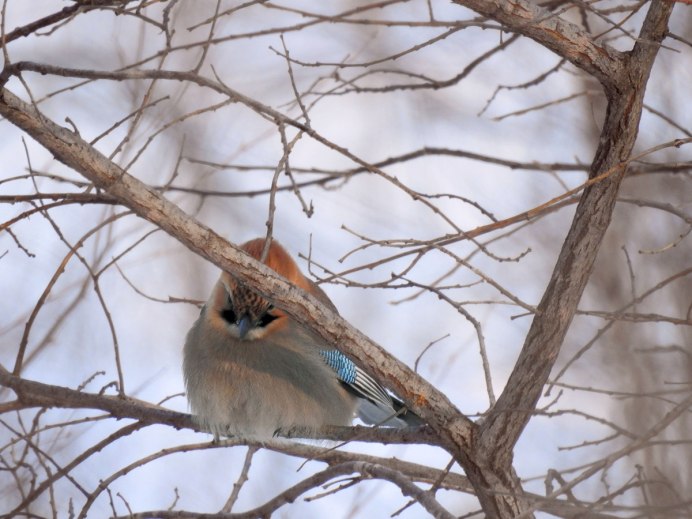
(245, 313)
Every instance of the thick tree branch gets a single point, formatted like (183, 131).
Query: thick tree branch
(454, 429)
(508, 418)
(624, 81)
(485, 453)
(553, 32)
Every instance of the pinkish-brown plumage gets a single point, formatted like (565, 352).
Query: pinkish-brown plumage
(251, 369)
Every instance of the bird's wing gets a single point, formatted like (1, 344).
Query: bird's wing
(357, 380)
(377, 406)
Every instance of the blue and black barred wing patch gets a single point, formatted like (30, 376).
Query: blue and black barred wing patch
(357, 380)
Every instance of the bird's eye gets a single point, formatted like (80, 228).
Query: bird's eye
(228, 314)
(266, 318)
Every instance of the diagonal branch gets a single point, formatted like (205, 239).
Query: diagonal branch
(453, 428)
(509, 416)
(555, 33)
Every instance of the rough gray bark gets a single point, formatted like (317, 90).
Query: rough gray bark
(624, 87)
(484, 451)
(73, 151)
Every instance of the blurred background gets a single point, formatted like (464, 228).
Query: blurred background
(496, 124)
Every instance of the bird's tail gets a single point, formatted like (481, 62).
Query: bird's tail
(394, 415)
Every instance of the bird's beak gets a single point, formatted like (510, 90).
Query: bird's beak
(244, 325)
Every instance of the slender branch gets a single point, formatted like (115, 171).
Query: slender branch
(36, 394)
(73, 151)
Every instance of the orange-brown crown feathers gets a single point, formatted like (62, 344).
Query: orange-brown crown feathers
(279, 261)
(282, 263)
(243, 311)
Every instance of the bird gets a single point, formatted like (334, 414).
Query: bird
(251, 370)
